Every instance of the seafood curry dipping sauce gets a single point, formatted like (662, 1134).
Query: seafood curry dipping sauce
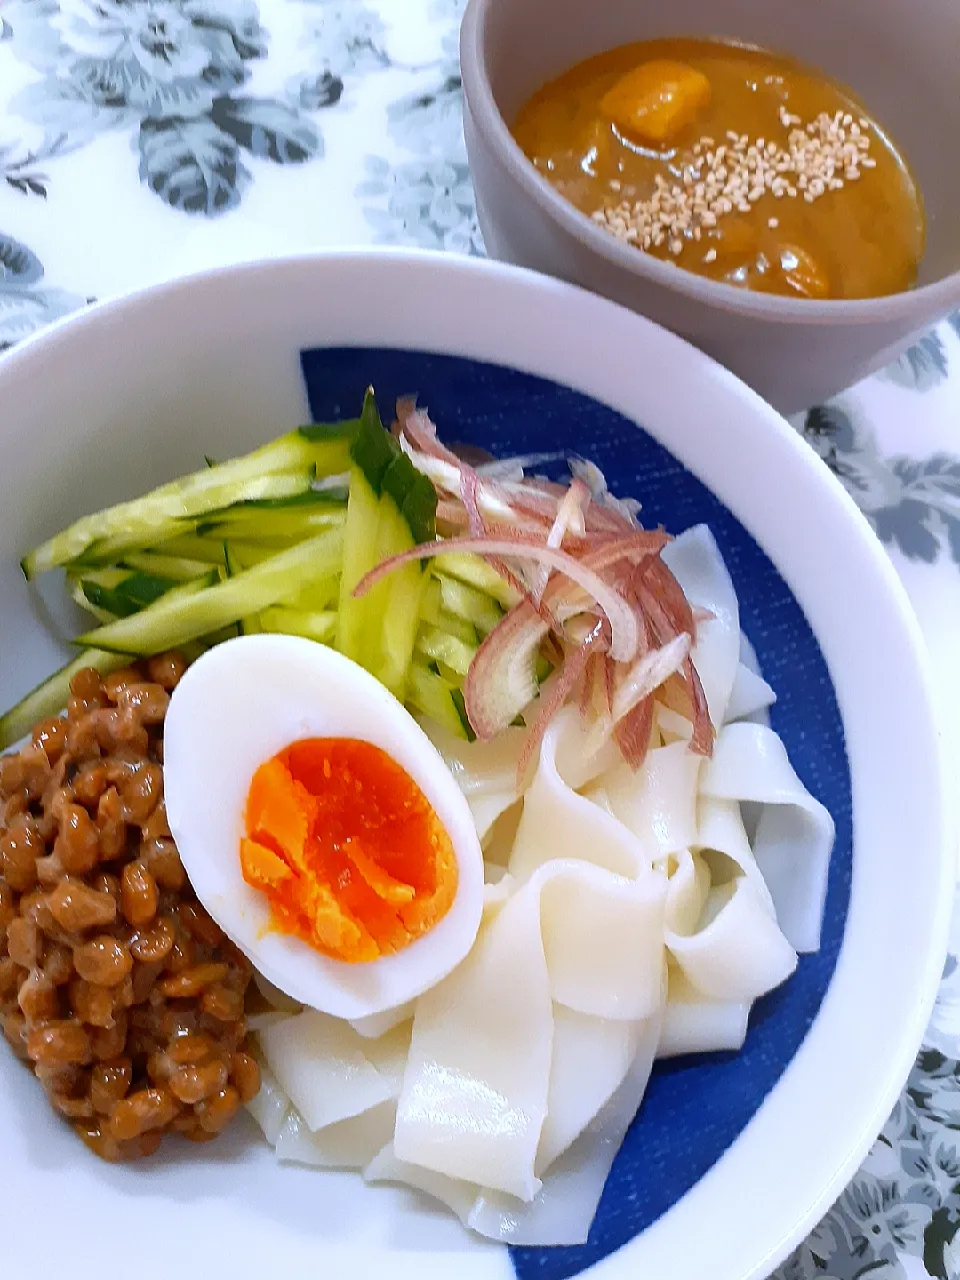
(738, 164)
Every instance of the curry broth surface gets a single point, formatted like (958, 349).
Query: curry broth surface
(861, 241)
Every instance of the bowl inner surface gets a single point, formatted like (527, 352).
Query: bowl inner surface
(900, 59)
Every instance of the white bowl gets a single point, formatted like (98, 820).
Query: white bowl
(133, 392)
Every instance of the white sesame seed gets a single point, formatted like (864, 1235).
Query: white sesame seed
(773, 223)
(712, 183)
(710, 255)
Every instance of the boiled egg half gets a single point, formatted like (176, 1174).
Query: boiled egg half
(319, 826)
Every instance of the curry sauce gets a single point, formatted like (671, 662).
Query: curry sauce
(738, 164)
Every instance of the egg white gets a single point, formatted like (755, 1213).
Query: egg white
(239, 705)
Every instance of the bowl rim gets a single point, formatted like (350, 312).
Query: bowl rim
(939, 296)
(526, 296)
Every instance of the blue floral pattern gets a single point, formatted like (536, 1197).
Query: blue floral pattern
(210, 108)
(173, 72)
(27, 302)
(912, 503)
(926, 364)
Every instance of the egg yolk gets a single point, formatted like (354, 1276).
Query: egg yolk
(347, 849)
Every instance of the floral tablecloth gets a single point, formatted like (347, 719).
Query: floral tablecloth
(140, 139)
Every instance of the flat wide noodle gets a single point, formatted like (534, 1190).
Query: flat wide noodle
(738, 953)
(323, 1066)
(694, 1024)
(591, 1058)
(558, 823)
(349, 1144)
(564, 1209)
(602, 938)
(269, 1107)
(720, 830)
(474, 1094)
(658, 802)
(794, 834)
(751, 697)
(696, 563)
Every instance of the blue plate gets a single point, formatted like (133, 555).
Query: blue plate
(694, 1107)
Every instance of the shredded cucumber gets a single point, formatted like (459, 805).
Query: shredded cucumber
(85, 603)
(356, 617)
(291, 521)
(455, 626)
(429, 694)
(179, 568)
(476, 607)
(468, 568)
(393, 647)
(256, 544)
(387, 513)
(146, 521)
(441, 647)
(171, 622)
(320, 625)
(331, 443)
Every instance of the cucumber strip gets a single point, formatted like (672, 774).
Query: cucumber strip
(79, 597)
(280, 469)
(439, 646)
(51, 696)
(318, 597)
(320, 495)
(476, 607)
(458, 627)
(173, 621)
(179, 568)
(107, 578)
(394, 634)
(210, 549)
(106, 599)
(427, 693)
(141, 589)
(456, 697)
(253, 523)
(468, 568)
(330, 445)
(320, 625)
(450, 678)
(107, 551)
(430, 607)
(250, 625)
(357, 617)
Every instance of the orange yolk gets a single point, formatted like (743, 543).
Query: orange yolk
(347, 848)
